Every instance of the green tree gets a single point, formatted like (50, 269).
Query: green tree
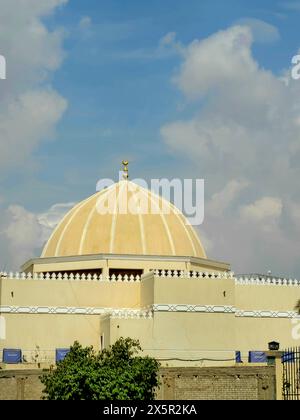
(117, 373)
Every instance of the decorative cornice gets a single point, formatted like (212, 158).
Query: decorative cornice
(130, 314)
(225, 310)
(128, 257)
(193, 308)
(127, 313)
(266, 314)
(46, 310)
(67, 310)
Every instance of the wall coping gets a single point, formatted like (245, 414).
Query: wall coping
(250, 369)
(70, 277)
(240, 281)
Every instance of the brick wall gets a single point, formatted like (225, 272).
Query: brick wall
(222, 383)
(228, 383)
(20, 385)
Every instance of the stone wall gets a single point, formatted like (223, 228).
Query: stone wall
(222, 383)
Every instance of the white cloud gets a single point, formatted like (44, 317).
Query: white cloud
(23, 233)
(263, 32)
(294, 213)
(53, 216)
(29, 112)
(207, 243)
(210, 63)
(265, 209)
(168, 46)
(246, 128)
(42, 108)
(221, 200)
(29, 109)
(85, 23)
(26, 10)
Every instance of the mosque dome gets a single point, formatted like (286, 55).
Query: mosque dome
(114, 221)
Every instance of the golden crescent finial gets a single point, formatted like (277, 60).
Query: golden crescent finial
(125, 163)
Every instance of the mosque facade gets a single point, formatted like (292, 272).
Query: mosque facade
(144, 275)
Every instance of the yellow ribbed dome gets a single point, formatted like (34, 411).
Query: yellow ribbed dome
(89, 229)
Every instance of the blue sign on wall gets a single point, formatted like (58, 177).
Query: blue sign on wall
(257, 357)
(61, 354)
(12, 356)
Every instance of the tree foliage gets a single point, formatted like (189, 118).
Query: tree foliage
(117, 373)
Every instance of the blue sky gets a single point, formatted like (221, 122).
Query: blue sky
(111, 78)
(117, 104)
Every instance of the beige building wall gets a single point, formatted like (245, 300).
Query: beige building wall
(266, 296)
(44, 333)
(195, 320)
(255, 333)
(69, 293)
(265, 313)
